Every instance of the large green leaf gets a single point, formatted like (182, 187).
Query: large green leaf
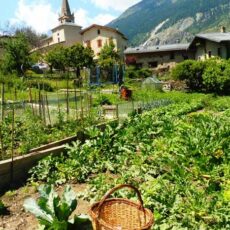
(31, 206)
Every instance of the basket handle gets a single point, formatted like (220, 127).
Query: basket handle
(118, 187)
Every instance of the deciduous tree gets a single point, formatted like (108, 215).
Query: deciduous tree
(108, 55)
(17, 55)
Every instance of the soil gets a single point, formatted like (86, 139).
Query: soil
(18, 219)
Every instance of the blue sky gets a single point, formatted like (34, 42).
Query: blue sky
(42, 15)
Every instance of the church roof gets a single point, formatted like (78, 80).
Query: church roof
(65, 9)
(66, 15)
(103, 27)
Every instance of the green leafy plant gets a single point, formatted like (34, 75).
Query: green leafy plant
(53, 211)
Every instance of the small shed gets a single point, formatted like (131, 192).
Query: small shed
(152, 83)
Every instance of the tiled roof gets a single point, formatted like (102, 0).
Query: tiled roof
(103, 27)
(154, 49)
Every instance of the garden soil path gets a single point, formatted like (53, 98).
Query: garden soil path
(18, 219)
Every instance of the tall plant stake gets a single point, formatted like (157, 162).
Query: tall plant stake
(75, 101)
(43, 108)
(67, 98)
(58, 102)
(3, 101)
(12, 149)
(1, 140)
(47, 108)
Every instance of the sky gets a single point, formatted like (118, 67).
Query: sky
(42, 15)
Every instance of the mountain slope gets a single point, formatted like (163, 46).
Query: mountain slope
(170, 21)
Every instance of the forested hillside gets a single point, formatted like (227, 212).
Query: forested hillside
(170, 21)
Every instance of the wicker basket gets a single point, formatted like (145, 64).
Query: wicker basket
(120, 214)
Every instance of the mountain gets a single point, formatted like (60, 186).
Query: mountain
(153, 22)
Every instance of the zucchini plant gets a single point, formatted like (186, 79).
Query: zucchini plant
(53, 212)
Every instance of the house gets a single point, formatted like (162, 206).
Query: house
(158, 57)
(203, 46)
(210, 45)
(95, 36)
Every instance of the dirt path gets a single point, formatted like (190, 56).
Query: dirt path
(18, 219)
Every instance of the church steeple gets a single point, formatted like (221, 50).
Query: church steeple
(66, 15)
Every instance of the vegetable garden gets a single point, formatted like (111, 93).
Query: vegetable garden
(177, 155)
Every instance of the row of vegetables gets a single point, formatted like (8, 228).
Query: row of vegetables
(177, 155)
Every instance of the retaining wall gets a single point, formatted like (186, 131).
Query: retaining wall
(16, 171)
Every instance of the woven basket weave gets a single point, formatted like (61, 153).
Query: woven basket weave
(120, 214)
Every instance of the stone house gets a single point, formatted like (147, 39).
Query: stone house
(211, 45)
(203, 46)
(158, 57)
(96, 36)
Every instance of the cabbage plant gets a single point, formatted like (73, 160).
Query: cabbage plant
(53, 212)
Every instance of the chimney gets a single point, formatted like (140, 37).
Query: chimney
(223, 29)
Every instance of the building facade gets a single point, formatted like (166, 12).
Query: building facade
(95, 36)
(158, 57)
(203, 46)
(211, 45)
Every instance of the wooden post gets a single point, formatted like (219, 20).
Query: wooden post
(39, 101)
(12, 149)
(81, 106)
(75, 100)
(3, 102)
(35, 100)
(58, 102)
(117, 112)
(67, 98)
(47, 107)
(43, 108)
(1, 140)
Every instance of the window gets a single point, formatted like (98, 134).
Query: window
(153, 64)
(172, 56)
(88, 44)
(219, 52)
(98, 31)
(209, 54)
(99, 43)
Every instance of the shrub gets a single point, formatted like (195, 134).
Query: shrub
(212, 76)
(216, 77)
(132, 72)
(40, 84)
(191, 71)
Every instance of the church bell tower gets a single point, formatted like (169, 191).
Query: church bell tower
(66, 15)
